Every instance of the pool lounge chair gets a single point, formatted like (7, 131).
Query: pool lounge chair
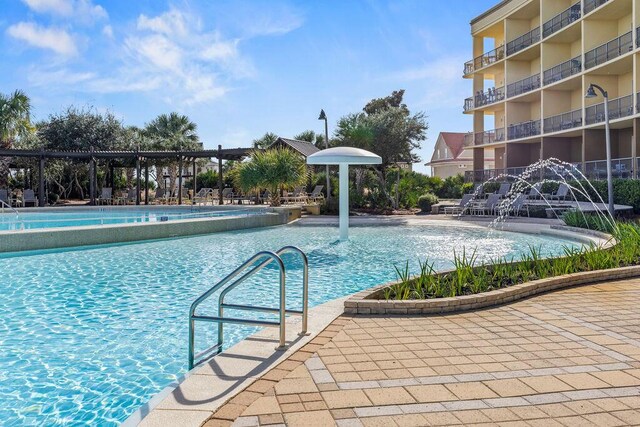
(489, 207)
(227, 194)
(203, 196)
(29, 198)
(561, 193)
(4, 197)
(503, 190)
(131, 197)
(316, 195)
(535, 192)
(462, 206)
(518, 205)
(106, 196)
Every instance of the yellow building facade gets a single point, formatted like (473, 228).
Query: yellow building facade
(533, 63)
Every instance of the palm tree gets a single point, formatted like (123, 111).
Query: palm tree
(173, 132)
(273, 169)
(15, 122)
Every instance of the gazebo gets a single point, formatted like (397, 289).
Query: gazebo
(139, 158)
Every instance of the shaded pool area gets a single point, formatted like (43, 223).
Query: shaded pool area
(86, 336)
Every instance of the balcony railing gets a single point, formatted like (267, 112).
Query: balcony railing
(618, 108)
(570, 120)
(561, 20)
(468, 104)
(490, 136)
(468, 140)
(491, 96)
(524, 129)
(524, 41)
(523, 86)
(591, 5)
(608, 51)
(484, 60)
(620, 168)
(562, 71)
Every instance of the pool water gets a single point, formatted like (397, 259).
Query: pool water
(87, 336)
(108, 216)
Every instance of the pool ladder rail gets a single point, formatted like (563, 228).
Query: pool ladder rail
(238, 276)
(4, 205)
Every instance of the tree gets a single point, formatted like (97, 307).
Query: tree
(172, 132)
(312, 137)
(265, 140)
(15, 122)
(387, 128)
(272, 169)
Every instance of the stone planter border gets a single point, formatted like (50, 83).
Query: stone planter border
(364, 302)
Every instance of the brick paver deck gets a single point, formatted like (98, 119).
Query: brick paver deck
(565, 358)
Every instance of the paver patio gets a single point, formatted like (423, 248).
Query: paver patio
(565, 358)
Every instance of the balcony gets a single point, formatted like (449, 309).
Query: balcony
(468, 140)
(562, 71)
(591, 5)
(620, 168)
(524, 129)
(561, 20)
(618, 108)
(523, 86)
(490, 136)
(524, 41)
(570, 120)
(484, 60)
(609, 51)
(468, 104)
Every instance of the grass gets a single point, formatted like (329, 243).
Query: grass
(467, 278)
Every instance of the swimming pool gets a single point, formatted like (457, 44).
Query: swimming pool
(77, 217)
(87, 336)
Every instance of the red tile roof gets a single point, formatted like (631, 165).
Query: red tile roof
(455, 142)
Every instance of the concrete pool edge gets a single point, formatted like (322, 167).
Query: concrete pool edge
(242, 364)
(67, 237)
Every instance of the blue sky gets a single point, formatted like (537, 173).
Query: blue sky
(240, 68)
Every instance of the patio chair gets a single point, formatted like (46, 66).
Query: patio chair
(535, 192)
(316, 194)
(214, 195)
(4, 197)
(203, 196)
(29, 198)
(131, 197)
(489, 207)
(106, 196)
(503, 190)
(227, 194)
(519, 204)
(462, 206)
(561, 193)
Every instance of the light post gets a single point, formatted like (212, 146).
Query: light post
(591, 93)
(323, 116)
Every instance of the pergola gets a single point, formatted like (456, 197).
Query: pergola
(140, 158)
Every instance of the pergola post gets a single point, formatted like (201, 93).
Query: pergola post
(193, 201)
(180, 179)
(92, 180)
(137, 179)
(220, 180)
(146, 181)
(41, 193)
(112, 178)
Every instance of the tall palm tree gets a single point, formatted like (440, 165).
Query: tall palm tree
(172, 132)
(15, 122)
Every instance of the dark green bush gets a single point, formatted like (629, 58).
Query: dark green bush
(574, 218)
(426, 201)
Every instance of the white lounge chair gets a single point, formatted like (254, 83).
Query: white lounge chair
(489, 207)
(106, 196)
(316, 194)
(462, 206)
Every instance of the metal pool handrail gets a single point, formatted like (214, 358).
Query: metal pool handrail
(4, 205)
(231, 281)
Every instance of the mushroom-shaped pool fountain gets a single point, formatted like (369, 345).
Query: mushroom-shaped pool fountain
(343, 157)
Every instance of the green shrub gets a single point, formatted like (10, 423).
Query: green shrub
(467, 278)
(426, 201)
(575, 218)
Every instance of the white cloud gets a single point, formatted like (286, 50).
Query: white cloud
(44, 77)
(155, 50)
(107, 30)
(55, 39)
(171, 23)
(83, 11)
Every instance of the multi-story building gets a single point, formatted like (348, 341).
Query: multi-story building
(533, 63)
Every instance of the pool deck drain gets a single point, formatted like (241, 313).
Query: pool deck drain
(570, 357)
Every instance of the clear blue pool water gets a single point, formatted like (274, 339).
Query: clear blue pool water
(108, 216)
(87, 336)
